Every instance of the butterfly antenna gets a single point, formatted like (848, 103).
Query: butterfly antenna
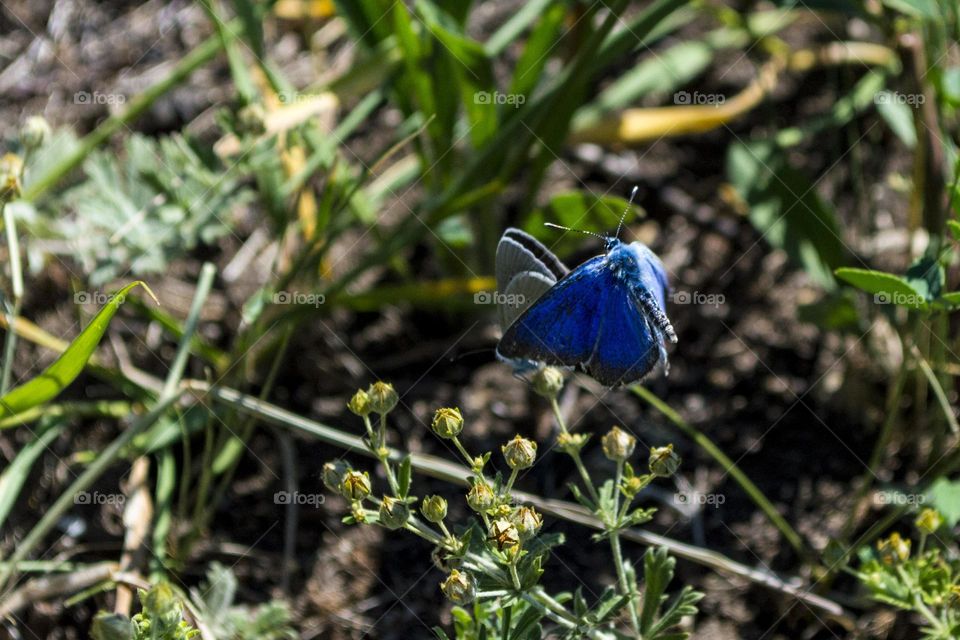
(589, 233)
(633, 194)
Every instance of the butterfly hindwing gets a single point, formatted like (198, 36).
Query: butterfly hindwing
(525, 270)
(628, 344)
(522, 291)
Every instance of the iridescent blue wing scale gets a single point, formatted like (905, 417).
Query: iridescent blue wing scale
(561, 327)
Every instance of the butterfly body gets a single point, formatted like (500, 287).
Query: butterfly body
(607, 317)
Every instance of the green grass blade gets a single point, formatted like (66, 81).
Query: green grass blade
(84, 482)
(14, 477)
(68, 366)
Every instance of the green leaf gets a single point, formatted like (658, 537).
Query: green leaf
(403, 478)
(67, 367)
(898, 117)
(917, 8)
(657, 573)
(954, 227)
(951, 300)
(887, 288)
(944, 495)
(785, 208)
(926, 276)
(14, 476)
(513, 27)
(529, 68)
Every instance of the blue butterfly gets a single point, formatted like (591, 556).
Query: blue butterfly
(607, 316)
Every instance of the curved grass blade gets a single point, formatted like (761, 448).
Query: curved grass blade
(67, 367)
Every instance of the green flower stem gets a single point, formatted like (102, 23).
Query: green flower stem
(556, 411)
(378, 447)
(537, 601)
(759, 499)
(577, 461)
(510, 481)
(463, 451)
(614, 529)
(16, 278)
(513, 572)
(446, 532)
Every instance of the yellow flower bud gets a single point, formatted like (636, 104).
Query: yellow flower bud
(383, 397)
(548, 381)
(459, 587)
(663, 461)
(481, 497)
(527, 521)
(894, 550)
(34, 132)
(360, 403)
(434, 509)
(333, 473)
(394, 513)
(929, 521)
(504, 534)
(355, 485)
(447, 422)
(618, 445)
(520, 453)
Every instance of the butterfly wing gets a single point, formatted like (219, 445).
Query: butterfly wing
(525, 270)
(592, 319)
(561, 327)
(629, 345)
